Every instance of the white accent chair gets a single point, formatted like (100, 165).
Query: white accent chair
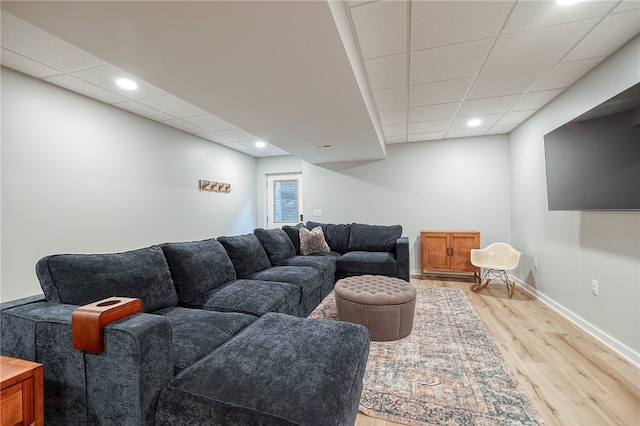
(495, 260)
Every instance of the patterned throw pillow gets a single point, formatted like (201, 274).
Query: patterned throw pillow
(313, 241)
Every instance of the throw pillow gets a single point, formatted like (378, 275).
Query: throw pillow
(312, 242)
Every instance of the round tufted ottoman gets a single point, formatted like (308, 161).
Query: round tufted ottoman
(384, 305)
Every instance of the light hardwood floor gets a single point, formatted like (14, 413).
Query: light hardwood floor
(571, 378)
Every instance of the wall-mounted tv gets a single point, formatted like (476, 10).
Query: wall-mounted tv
(593, 162)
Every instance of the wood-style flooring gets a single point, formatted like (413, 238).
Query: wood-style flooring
(571, 378)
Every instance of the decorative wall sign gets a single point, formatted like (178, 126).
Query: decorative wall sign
(209, 185)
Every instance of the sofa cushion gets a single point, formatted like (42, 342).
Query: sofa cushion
(251, 297)
(198, 266)
(374, 237)
(337, 236)
(246, 253)
(276, 243)
(312, 242)
(294, 235)
(79, 279)
(281, 370)
(325, 263)
(306, 278)
(367, 262)
(195, 333)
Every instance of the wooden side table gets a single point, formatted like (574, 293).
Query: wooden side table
(22, 394)
(448, 253)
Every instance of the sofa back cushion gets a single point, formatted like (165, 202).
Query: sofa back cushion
(337, 236)
(246, 253)
(198, 266)
(79, 279)
(294, 235)
(374, 237)
(276, 243)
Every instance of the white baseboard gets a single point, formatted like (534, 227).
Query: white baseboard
(622, 350)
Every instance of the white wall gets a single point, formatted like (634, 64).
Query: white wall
(80, 176)
(453, 184)
(575, 247)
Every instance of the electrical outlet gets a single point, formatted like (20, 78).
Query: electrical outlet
(535, 263)
(594, 287)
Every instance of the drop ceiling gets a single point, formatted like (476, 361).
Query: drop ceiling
(325, 81)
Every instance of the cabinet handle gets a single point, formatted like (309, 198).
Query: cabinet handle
(449, 251)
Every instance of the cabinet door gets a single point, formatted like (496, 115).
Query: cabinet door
(462, 243)
(434, 250)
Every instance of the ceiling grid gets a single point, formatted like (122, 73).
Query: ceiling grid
(429, 66)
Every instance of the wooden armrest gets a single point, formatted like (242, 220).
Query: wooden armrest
(88, 321)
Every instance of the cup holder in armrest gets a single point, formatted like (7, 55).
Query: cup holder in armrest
(88, 321)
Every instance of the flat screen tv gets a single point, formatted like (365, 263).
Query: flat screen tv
(593, 162)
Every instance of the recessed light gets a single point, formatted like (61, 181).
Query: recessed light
(474, 123)
(260, 144)
(126, 84)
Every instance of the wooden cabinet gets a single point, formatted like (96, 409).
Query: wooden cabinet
(21, 398)
(447, 253)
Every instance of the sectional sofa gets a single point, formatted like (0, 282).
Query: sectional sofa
(224, 337)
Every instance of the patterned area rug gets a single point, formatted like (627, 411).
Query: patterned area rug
(448, 371)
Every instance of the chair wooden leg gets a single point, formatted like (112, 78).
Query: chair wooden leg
(478, 287)
(512, 288)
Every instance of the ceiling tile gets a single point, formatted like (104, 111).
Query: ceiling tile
(255, 153)
(21, 37)
(484, 106)
(226, 136)
(565, 74)
(528, 15)
(395, 130)
(612, 33)
(626, 6)
(501, 130)
(390, 99)
(422, 137)
(387, 72)
(515, 117)
(173, 105)
(143, 110)
(535, 100)
(534, 48)
(439, 23)
(210, 123)
(466, 133)
(381, 28)
(184, 126)
(428, 126)
(84, 88)
(105, 76)
(25, 65)
(448, 62)
(438, 93)
(395, 116)
(274, 151)
(233, 145)
(396, 139)
(433, 112)
(505, 83)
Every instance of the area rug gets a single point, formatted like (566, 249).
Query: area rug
(448, 371)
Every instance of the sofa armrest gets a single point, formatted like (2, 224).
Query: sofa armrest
(119, 386)
(402, 258)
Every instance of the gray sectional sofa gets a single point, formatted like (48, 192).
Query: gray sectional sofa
(223, 339)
